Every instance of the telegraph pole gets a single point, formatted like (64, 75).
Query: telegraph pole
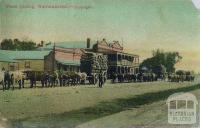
(54, 57)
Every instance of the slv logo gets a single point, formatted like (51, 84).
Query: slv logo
(182, 108)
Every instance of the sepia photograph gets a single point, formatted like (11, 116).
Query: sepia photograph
(99, 63)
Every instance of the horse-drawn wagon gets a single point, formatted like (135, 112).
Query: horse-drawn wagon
(94, 64)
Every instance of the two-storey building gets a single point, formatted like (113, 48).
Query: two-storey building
(119, 61)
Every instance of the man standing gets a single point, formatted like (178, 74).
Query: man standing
(7, 80)
(12, 80)
(114, 77)
(100, 80)
(43, 79)
(31, 79)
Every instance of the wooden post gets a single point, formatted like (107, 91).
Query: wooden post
(53, 68)
(74, 52)
(8, 66)
(18, 65)
(116, 63)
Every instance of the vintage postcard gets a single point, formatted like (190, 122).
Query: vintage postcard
(99, 63)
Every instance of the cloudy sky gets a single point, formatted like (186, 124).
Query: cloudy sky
(143, 25)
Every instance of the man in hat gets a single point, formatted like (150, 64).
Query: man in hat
(100, 79)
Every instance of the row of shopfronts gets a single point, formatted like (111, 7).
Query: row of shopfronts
(66, 56)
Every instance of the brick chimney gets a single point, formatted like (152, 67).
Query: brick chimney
(88, 42)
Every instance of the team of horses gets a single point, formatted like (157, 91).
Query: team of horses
(11, 79)
(67, 79)
(51, 79)
(180, 78)
(139, 77)
(150, 77)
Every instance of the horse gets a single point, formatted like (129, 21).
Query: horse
(7, 80)
(128, 78)
(17, 77)
(65, 79)
(56, 78)
(134, 77)
(139, 77)
(93, 78)
(113, 76)
(2, 79)
(51, 79)
(120, 78)
(83, 77)
(76, 78)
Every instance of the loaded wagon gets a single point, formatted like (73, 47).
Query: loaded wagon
(93, 64)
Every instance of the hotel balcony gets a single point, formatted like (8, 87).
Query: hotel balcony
(123, 63)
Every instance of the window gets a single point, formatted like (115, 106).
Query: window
(119, 57)
(112, 57)
(190, 104)
(136, 60)
(173, 104)
(12, 67)
(78, 69)
(27, 64)
(181, 104)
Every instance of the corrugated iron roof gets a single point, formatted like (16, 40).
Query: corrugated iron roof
(72, 44)
(24, 55)
(5, 58)
(68, 44)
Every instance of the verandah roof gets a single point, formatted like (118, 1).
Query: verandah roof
(68, 62)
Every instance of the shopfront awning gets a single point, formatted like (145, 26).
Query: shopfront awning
(68, 62)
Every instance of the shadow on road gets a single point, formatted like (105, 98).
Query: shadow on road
(77, 117)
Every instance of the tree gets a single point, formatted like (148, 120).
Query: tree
(7, 44)
(162, 62)
(16, 44)
(171, 59)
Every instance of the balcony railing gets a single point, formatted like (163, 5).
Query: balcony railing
(123, 63)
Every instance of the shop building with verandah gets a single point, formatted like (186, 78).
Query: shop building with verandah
(22, 60)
